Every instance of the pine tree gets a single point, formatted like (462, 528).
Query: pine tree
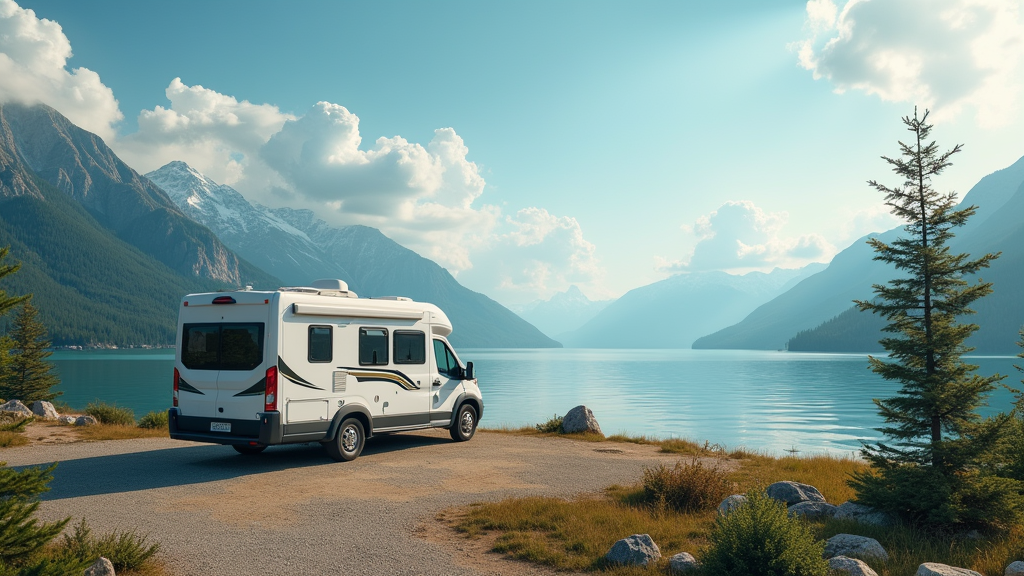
(20, 533)
(28, 376)
(929, 470)
(6, 303)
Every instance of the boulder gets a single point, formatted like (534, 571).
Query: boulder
(66, 419)
(855, 547)
(16, 407)
(794, 492)
(813, 510)
(85, 421)
(850, 566)
(936, 569)
(580, 419)
(731, 503)
(683, 562)
(101, 567)
(863, 514)
(44, 410)
(1015, 569)
(637, 550)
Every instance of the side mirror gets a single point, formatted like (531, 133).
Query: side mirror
(468, 372)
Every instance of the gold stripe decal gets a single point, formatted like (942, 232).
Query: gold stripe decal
(382, 376)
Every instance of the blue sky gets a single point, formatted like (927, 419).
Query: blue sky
(598, 143)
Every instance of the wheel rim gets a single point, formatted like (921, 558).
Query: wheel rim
(466, 424)
(349, 439)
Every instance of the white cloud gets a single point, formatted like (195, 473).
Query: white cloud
(946, 55)
(739, 236)
(33, 56)
(214, 133)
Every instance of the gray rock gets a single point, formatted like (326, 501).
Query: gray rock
(794, 492)
(813, 510)
(44, 410)
(1015, 569)
(580, 419)
(850, 566)
(936, 569)
(66, 419)
(101, 567)
(731, 503)
(863, 514)
(637, 550)
(16, 407)
(855, 547)
(85, 421)
(683, 562)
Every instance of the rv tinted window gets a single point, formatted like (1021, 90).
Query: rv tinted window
(446, 362)
(224, 346)
(373, 346)
(410, 347)
(320, 344)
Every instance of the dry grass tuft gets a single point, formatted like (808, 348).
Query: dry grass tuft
(687, 487)
(826, 473)
(117, 432)
(12, 439)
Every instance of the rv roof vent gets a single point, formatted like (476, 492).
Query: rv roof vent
(330, 284)
(397, 298)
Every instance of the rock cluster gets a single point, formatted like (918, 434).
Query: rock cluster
(580, 419)
(44, 411)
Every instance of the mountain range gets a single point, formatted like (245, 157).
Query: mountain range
(298, 247)
(816, 315)
(564, 312)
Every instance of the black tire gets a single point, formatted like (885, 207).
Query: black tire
(247, 449)
(348, 443)
(465, 424)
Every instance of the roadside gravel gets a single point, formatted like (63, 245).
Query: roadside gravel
(292, 510)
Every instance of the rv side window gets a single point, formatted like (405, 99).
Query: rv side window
(373, 346)
(446, 362)
(321, 346)
(223, 346)
(410, 347)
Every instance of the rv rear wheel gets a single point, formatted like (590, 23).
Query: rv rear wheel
(247, 449)
(348, 444)
(465, 424)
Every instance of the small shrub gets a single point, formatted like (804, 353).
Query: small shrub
(110, 414)
(154, 420)
(759, 537)
(553, 426)
(689, 487)
(125, 550)
(12, 439)
(15, 423)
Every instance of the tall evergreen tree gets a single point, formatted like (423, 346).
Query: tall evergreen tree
(929, 470)
(6, 303)
(28, 376)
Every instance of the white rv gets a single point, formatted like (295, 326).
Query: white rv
(254, 369)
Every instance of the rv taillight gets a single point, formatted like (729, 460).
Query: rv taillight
(223, 300)
(270, 397)
(177, 377)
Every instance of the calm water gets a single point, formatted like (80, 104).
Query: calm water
(765, 400)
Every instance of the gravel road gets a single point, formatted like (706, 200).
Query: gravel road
(292, 510)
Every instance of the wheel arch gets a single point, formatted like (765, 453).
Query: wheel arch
(473, 401)
(355, 410)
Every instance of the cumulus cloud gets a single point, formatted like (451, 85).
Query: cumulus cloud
(740, 236)
(213, 132)
(946, 55)
(534, 255)
(33, 58)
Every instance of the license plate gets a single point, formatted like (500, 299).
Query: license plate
(220, 426)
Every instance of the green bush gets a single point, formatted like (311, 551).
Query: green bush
(553, 426)
(760, 537)
(689, 487)
(125, 550)
(11, 422)
(154, 420)
(110, 414)
(21, 535)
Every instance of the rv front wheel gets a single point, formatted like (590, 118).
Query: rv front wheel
(465, 424)
(348, 444)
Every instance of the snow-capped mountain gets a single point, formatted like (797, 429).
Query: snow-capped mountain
(563, 312)
(298, 247)
(253, 231)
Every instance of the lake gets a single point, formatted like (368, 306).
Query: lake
(764, 400)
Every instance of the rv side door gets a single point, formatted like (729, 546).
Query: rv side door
(446, 381)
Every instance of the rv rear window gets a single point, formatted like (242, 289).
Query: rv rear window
(373, 346)
(320, 344)
(223, 346)
(410, 347)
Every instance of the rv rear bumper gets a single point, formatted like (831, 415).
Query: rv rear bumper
(265, 431)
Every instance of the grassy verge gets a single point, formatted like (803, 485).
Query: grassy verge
(575, 534)
(117, 432)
